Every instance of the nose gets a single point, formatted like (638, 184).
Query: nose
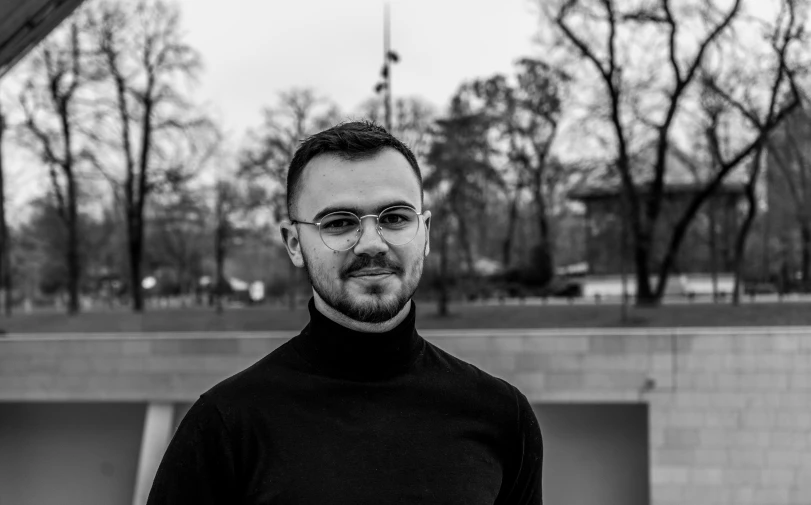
(370, 243)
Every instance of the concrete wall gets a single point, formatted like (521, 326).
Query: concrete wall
(69, 453)
(595, 454)
(729, 409)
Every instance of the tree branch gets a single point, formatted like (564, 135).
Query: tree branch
(60, 199)
(671, 22)
(612, 40)
(654, 201)
(581, 45)
(713, 86)
(710, 38)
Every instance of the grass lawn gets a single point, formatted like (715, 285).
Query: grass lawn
(462, 316)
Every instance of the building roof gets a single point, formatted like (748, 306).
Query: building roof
(24, 23)
(734, 188)
(684, 175)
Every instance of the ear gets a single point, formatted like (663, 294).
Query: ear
(427, 215)
(291, 242)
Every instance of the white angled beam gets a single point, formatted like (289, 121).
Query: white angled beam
(158, 424)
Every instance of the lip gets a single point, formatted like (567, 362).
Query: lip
(372, 272)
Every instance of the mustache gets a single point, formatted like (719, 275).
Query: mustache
(362, 262)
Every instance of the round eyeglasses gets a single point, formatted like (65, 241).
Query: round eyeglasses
(341, 231)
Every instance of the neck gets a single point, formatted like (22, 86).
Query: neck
(352, 324)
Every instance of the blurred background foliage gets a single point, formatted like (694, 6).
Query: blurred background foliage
(648, 141)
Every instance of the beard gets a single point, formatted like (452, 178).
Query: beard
(375, 304)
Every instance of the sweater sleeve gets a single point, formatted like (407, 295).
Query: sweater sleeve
(526, 485)
(198, 465)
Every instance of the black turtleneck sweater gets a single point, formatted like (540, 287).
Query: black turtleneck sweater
(334, 416)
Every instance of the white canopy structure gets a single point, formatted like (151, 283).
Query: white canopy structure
(24, 23)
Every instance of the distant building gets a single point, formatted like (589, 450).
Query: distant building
(700, 252)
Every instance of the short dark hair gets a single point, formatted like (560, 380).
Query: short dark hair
(351, 141)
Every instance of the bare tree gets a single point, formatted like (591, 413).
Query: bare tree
(177, 231)
(739, 93)
(298, 114)
(413, 119)
(461, 169)
(627, 45)
(226, 201)
(442, 222)
(236, 202)
(789, 154)
(49, 100)
(527, 114)
(501, 103)
(143, 60)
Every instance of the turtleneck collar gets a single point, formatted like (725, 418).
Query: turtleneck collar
(345, 353)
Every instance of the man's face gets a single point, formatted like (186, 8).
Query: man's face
(363, 187)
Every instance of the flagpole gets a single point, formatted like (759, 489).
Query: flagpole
(387, 66)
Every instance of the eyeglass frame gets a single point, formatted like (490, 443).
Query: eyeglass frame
(360, 221)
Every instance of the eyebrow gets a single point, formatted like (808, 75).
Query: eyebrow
(359, 211)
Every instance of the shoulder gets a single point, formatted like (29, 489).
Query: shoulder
(261, 378)
(489, 389)
(494, 397)
(456, 365)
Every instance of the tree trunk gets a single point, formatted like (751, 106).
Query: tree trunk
(802, 203)
(73, 246)
(641, 241)
(69, 212)
(135, 254)
(740, 243)
(506, 251)
(645, 297)
(72, 253)
(464, 238)
(765, 272)
(442, 300)
(543, 227)
(683, 224)
(137, 230)
(713, 250)
(130, 202)
(180, 273)
(746, 226)
(805, 248)
(5, 264)
(219, 258)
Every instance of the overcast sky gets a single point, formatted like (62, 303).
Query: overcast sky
(254, 49)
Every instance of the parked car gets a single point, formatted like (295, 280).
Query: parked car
(759, 288)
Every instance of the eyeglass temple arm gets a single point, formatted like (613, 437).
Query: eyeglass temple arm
(359, 218)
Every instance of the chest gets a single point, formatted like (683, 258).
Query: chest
(371, 452)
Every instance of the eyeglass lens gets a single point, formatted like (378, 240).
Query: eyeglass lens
(341, 230)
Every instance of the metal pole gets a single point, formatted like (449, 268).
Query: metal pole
(387, 66)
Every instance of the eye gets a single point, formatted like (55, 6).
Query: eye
(338, 223)
(392, 219)
(398, 218)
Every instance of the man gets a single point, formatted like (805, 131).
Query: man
(358, 408)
